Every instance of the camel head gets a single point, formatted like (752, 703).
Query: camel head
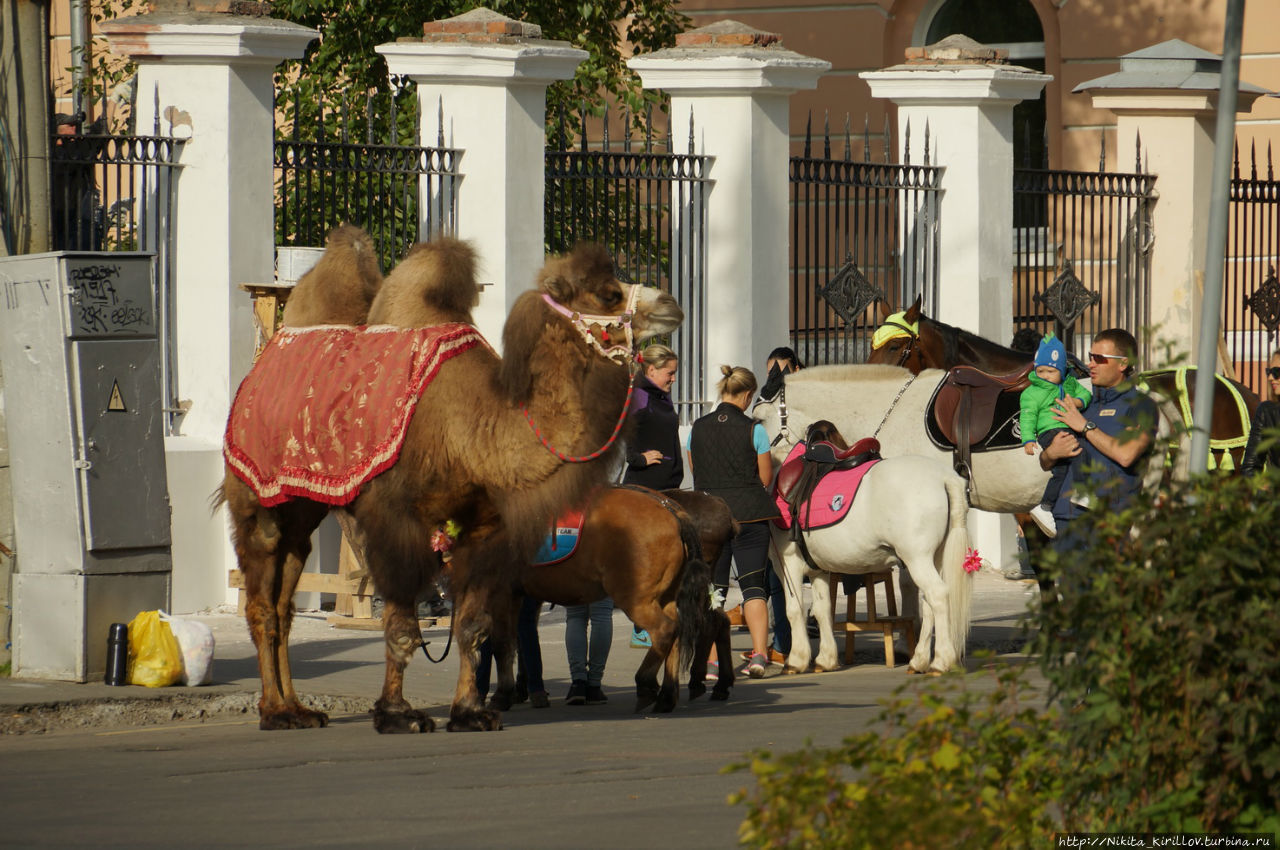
(581, 290)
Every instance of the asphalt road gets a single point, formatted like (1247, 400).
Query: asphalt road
(562, 777)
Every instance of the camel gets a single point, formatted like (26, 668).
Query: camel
(350, 257)
(492, 445)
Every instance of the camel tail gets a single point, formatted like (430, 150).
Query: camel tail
(954, 549)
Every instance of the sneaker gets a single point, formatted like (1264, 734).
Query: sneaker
(539, 699)
(577, 694)
(640, 639)
(713, 672)
(595, 696)
(775, 657)
(755, 669)
(1044, 520)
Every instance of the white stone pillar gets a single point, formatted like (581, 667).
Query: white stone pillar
(489, 74)
(965, 93)
(734, 84)
(1166, 97)
(209, 75)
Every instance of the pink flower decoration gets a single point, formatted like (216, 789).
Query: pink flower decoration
(972, 561)
(441, 541)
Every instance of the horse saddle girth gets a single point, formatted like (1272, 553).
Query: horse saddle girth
(964, 406)
(817, 482)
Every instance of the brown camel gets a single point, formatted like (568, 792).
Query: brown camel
(350, 257)
(491, 444)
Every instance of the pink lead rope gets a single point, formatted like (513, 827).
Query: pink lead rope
(617, 429)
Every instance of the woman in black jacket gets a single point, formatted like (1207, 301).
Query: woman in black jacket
(653, 451)
(1266, 419)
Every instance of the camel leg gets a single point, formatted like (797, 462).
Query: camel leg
(470, 624)
(392, 712)
(271, 557)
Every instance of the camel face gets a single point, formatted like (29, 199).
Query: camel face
(657, 313)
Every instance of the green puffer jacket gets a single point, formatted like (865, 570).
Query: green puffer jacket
(1037, 401)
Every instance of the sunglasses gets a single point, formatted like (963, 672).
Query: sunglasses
(1273, 372)
(1103, 358)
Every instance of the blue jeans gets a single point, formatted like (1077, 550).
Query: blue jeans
(528, 650)
(586, 664)
(778, 603)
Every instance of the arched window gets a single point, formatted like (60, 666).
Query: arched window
(1012, 25)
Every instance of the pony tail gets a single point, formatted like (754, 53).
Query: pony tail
(954, 549)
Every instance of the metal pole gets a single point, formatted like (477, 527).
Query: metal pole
(1215, 256)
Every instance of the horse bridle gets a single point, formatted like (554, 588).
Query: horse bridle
(910, 347)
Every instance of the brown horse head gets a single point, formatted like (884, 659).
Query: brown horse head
(899, 342)
(580, 294)
(340, 287)
(435, 283)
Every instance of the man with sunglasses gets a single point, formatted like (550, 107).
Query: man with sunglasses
(1107, 440)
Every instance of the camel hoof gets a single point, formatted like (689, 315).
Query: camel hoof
(475, 720)
(298, 718)
(696, 689)
(402, 722)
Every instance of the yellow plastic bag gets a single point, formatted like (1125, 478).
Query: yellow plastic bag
(155, 659)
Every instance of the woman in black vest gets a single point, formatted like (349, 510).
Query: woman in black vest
(729, 456)
(653, 449)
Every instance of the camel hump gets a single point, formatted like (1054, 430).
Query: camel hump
(434, 283)
(341, 286)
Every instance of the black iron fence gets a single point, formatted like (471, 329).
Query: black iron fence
(863, 233)
(1251, 291)
(326, 175)
(1082, 252)
(645, 203)
(117, 193)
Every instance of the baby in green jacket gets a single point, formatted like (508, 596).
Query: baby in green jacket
(1049, 382)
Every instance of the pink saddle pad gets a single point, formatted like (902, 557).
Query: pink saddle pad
(831, 499)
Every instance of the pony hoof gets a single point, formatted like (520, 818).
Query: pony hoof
(501, 701)
(476, 720)
(645, 698)
(720, 695)
(696, 689)
(822, 668)
(665, 705)
(791, 671)
(299, 718)
(401, 722)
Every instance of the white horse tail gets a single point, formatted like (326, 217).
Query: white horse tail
(954, 549)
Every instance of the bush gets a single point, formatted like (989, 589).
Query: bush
(1168, 653)
(1161, 651)
(964, 762)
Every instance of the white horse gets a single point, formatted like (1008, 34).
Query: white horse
(858, 399)
(907, 509)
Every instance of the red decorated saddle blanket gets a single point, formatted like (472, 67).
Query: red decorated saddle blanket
(831, 499)
(325, 409)
(563, 539)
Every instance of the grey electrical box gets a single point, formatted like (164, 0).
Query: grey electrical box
(83, 401)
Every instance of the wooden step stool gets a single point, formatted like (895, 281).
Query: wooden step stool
(886, 626)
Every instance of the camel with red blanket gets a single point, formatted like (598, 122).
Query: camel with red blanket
(412, 425)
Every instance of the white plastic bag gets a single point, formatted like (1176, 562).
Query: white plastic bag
(196, 641)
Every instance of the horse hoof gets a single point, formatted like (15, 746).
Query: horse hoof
(665, 705)
(696, 689)
(299, 718)
(720, 695)
(501, 701)
(475, 720)
(402, 722)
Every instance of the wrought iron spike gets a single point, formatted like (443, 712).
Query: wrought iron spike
(1235, 159)
(626, 131)
(906, 143)
(604, 133)
(1067, 298)
(440, 122)
(888, 138)
(1102, 151)
(690, 150)
(866, 137)
(1137, 153)
(1253, 160)
(926, 141)
(850, 293)
(826, 134)
(848, 138)
(1270, 176)
(648, 129)
(808, 127)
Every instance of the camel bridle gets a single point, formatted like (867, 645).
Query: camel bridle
(622, 354)
(619, 353)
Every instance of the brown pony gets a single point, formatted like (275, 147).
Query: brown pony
(471, 454)
(645, 551)
(940, 346)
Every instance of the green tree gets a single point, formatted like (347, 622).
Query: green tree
(343, 59)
